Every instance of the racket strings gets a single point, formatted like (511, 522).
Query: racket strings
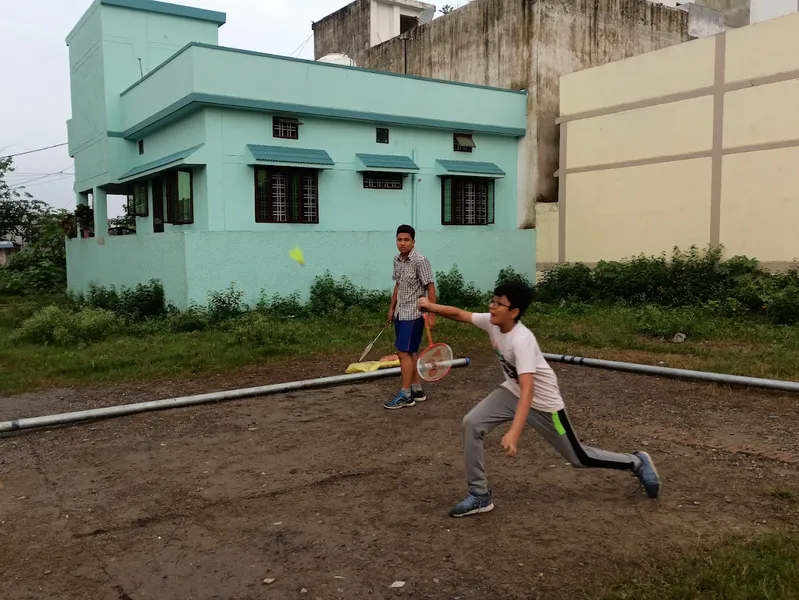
(435, 362)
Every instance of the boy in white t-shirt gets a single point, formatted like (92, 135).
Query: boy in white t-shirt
(530, 394)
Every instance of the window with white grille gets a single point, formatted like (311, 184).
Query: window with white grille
(287, 128)
(467, 201)
(286, 195)
(382, 181)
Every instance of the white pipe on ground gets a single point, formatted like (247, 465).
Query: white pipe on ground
(129, 409)
(772, 384)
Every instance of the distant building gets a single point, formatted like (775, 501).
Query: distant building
(7, 249)
(739, 13)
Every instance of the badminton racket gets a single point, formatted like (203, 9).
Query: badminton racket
(374, 341)
(435, 361)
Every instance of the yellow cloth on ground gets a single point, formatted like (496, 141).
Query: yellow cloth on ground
(370, 366)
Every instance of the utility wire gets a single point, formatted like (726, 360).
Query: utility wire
(36, 150)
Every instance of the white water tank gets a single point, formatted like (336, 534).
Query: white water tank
(338, 59)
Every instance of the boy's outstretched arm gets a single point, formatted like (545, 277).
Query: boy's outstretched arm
(448, 312)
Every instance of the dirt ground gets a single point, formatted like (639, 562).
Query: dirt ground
(332, 496)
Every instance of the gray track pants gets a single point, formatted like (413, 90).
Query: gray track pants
(500, 407)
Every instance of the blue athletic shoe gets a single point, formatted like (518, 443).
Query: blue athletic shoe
(648, 475)
(472, 505)
(419, 396)
(399, 401)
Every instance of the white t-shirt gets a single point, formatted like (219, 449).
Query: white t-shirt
(518, 352)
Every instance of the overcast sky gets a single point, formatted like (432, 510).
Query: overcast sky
(35, 105)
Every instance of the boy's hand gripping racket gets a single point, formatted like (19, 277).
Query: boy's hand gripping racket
(435, 361)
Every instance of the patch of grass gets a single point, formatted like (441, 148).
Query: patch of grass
(752, 347)
(784, 495)
(249, 340)
(340, 319)
(765, 568)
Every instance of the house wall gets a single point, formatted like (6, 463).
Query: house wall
(192, 264)
(344, 205)
(111, 48)
(258, 261)
(524, 45)
(128, 260)
(219, 74)
(694, 144)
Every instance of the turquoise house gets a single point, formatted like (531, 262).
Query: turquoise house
(231, 158)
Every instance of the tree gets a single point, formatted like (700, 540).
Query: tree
(20, 213)
(446, 9)
(41, 267)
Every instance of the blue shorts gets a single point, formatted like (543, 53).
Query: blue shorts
(409, 335)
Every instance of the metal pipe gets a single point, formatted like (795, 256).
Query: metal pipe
(772, 384)
(129, 409)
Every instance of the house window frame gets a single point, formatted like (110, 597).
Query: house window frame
(387, 131)
(457, 217)
(139, 207)
(291, 125)
(374, 177)
(302, 173)
(464, 144)
(171, 191)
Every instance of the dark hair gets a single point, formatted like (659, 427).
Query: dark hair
(518, 293)
(407, 229)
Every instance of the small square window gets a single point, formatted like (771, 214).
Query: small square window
(463, 142)
(287, 128)
(141, 147)
(382, 135)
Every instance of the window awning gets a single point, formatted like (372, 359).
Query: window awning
(465, 168)
(385, 163)
(167, 162)
(290, 157)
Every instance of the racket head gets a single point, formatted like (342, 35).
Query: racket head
(435, 362)
(366, 351)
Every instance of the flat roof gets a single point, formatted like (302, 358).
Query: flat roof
(166, 8)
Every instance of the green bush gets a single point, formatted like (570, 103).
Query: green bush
(699, 279)
(509, 274)
(61, 327)
(329, 296)
(192, 319)
(226, 305)
(33, 272)
(146, 300)
(566, 282)
(783, 308)
(452, 289)
(285, 307)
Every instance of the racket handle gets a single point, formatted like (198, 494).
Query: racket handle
(427, 327)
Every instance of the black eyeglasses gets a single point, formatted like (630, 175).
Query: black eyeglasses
(495, 302)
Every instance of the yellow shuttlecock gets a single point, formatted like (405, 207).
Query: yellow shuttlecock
(296, 254)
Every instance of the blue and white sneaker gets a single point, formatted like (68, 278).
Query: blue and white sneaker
(399, 401)
(648, 475)
(472, 505)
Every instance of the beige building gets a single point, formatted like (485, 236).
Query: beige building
(695, 144)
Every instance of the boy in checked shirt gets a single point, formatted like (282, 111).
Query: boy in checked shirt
(414, 279)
